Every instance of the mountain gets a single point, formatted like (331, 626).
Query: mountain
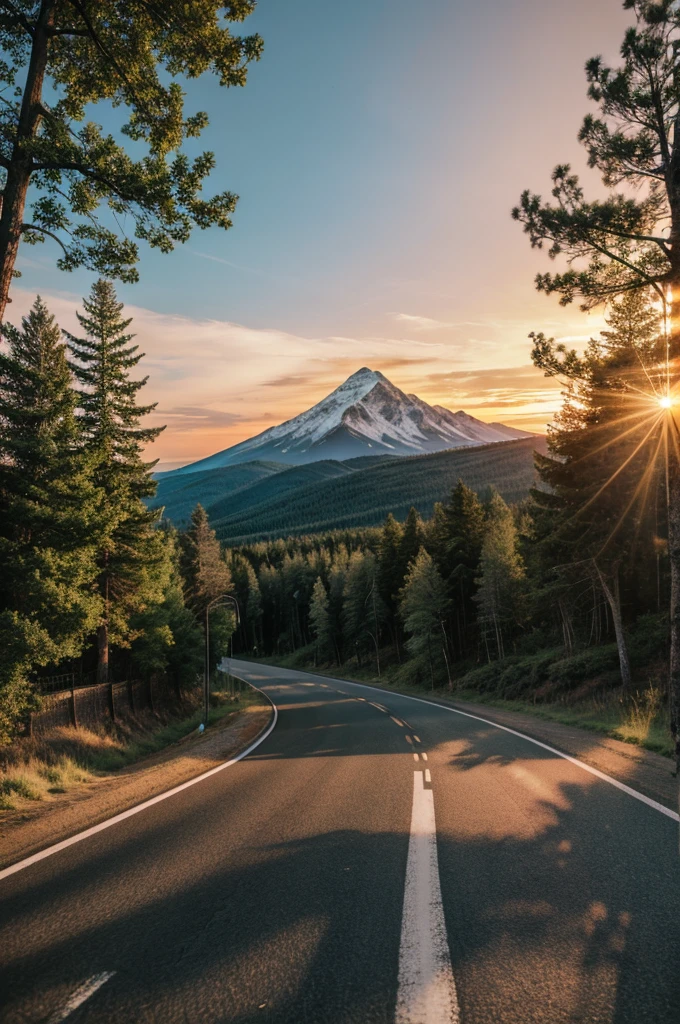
(363, 496)
(179, 495)
(367, 415)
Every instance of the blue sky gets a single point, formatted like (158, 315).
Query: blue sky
(377, 149)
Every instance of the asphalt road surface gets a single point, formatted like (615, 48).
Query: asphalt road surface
(375, 859)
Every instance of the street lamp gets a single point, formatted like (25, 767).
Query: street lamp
(216, 603)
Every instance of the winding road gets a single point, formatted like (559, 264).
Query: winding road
(374, 860)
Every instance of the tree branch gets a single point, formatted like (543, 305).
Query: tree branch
(71, 31)
(86, 172)
(19, 15)
(43, 231)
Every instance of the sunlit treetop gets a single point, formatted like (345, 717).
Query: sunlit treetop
(631, 238)
(88, 192)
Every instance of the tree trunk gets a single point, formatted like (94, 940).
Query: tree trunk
(673, 484)
(674, 555)
(21, 161)
(614, 601)
(103, 653)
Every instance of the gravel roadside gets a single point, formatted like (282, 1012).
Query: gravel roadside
(24, 832)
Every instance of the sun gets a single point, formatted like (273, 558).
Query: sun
(665, 401)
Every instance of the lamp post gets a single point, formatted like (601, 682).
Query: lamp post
(215, 603)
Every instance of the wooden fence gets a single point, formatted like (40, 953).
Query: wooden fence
(93, 705)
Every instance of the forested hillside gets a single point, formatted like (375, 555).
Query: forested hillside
(179, 495)
(365, 496)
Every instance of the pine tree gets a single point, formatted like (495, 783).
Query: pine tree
(205, 572)
(628, 240)
(363, 611)
(605, 481)
(423, 607)
(390, 572)
(465, 525)
(501, 573)
(130, 555)
(167, 638)
(412, 539)
(49, 519)
(320, 620)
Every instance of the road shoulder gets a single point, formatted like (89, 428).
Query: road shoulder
(25, 832)
(641, 769)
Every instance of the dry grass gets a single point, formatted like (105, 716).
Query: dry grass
(35, 779)
(39, 767)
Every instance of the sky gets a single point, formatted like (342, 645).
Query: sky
(377, 149)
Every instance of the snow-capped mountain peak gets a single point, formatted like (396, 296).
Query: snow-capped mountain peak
(365, 415)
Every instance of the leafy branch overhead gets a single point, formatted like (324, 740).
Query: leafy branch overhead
(627, 240)
(91, 195)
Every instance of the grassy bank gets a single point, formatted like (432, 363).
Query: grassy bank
(38, 767)
(595, 703)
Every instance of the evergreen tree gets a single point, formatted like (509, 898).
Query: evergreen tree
(436, 536)
(390, 572)
(606, 482)
(131, 557)
(363, 611)
(206, 574)
(501, 573)
(423, 607)
(336, 593)
(48, 513)
(630, 239)
(412, 539)
(207, 577)
(167, 637)
(465, 525)
(320, 620)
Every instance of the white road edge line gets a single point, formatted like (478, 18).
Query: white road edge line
(81, 994)
(426, 991)
(21, 864)
(553, 750)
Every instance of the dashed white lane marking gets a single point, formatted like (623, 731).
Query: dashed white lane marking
(427, 990)
(423, 755)
(396, 721)
(378, 706)
(81, 994)
(34, 858)
(415, 757)
(408, 739)
(428, 777)
(544, 746)
(416, 738)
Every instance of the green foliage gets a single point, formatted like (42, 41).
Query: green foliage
(49, 521)
(320, 620)
(423, 607)
(132, 560)
(501, 574)
(205, 571)
(365, 496)
(132, 55)
(614, 245)
(221, 491)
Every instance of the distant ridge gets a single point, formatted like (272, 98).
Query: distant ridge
(365, 415)
(364, 496)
